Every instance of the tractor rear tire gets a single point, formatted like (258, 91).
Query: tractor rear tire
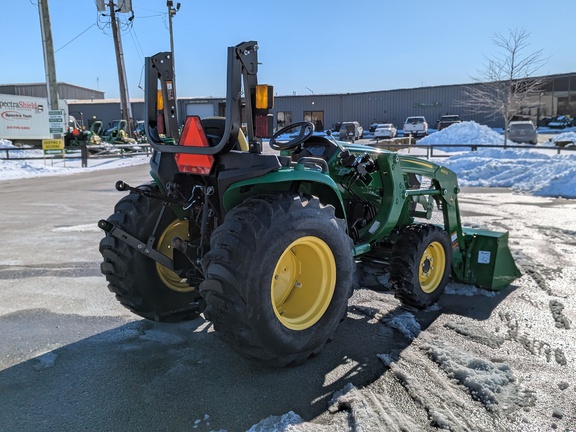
(420, 265)
(146, 288)
(278, 278)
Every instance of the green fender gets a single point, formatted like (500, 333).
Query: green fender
(293, 180)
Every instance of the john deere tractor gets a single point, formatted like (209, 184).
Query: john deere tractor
(264, 244)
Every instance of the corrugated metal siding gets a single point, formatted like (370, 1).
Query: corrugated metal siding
(386, 106)
(381, 106)
(65, 91)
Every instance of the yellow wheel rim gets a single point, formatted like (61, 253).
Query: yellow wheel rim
(178, 228)
(432, 266)
(303, 283)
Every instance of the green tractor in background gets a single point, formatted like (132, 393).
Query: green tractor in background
(265, 244)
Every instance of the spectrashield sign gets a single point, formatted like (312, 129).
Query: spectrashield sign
(27, 119)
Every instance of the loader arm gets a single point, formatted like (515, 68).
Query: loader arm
(479, 257)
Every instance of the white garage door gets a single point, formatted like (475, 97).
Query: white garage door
(202, 110)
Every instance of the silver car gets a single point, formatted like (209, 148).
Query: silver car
(385, 130)
(522, 132)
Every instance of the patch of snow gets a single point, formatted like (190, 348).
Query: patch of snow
(16, 167)
(406, 324)
(278, 423)
(492, 384)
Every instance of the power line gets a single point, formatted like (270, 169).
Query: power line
(136, 42)
(68, 43)
(152, 16)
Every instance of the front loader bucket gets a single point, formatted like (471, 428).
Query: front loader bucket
(488, 260)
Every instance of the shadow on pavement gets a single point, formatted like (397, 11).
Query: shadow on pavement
(151, 376)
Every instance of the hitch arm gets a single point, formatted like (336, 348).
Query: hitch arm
(132, 241)
(121, 187)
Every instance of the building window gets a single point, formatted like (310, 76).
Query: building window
(283, 118)
(316, 117)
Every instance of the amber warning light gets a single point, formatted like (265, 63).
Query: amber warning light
(264, 97)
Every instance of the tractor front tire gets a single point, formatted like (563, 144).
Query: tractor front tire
(147, 288)
(278, 278)
(420, 265)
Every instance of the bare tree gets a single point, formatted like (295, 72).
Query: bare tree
(507, 83)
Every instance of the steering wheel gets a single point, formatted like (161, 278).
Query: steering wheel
(306, 131)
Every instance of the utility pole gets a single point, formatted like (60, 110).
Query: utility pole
(48, 48)
(125, 107)
(171, 12)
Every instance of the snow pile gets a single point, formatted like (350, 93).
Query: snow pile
(5, 144)
(521, 170)
(465, 133)
(565, 136)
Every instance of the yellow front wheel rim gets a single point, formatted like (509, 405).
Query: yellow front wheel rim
(303, 283)
(432, 266)
(178, 228)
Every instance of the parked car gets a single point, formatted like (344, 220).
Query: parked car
(523, 132)
(561, 122)
(373, 126)
(447, 120)
(351, 131)
(545, 120)
(416, 126)
(385, 130)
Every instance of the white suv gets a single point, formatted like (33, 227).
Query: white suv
(522, 132)
(416, 126)
(351, 131)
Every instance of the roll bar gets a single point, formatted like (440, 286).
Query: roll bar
(162, 118)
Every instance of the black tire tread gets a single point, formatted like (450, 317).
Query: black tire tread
(405, 261)
(131, 276)
(229, 262)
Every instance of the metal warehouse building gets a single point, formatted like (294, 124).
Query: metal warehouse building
(324, 110)
(65, 91)
(556, 98)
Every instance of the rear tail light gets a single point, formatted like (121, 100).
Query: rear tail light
(193, 136)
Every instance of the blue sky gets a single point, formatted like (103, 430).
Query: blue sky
(322, 46)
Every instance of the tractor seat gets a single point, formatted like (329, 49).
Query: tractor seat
(214, 128)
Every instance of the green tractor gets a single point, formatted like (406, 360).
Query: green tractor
(264, 244)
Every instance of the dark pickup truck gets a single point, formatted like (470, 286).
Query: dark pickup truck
(447, 120)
